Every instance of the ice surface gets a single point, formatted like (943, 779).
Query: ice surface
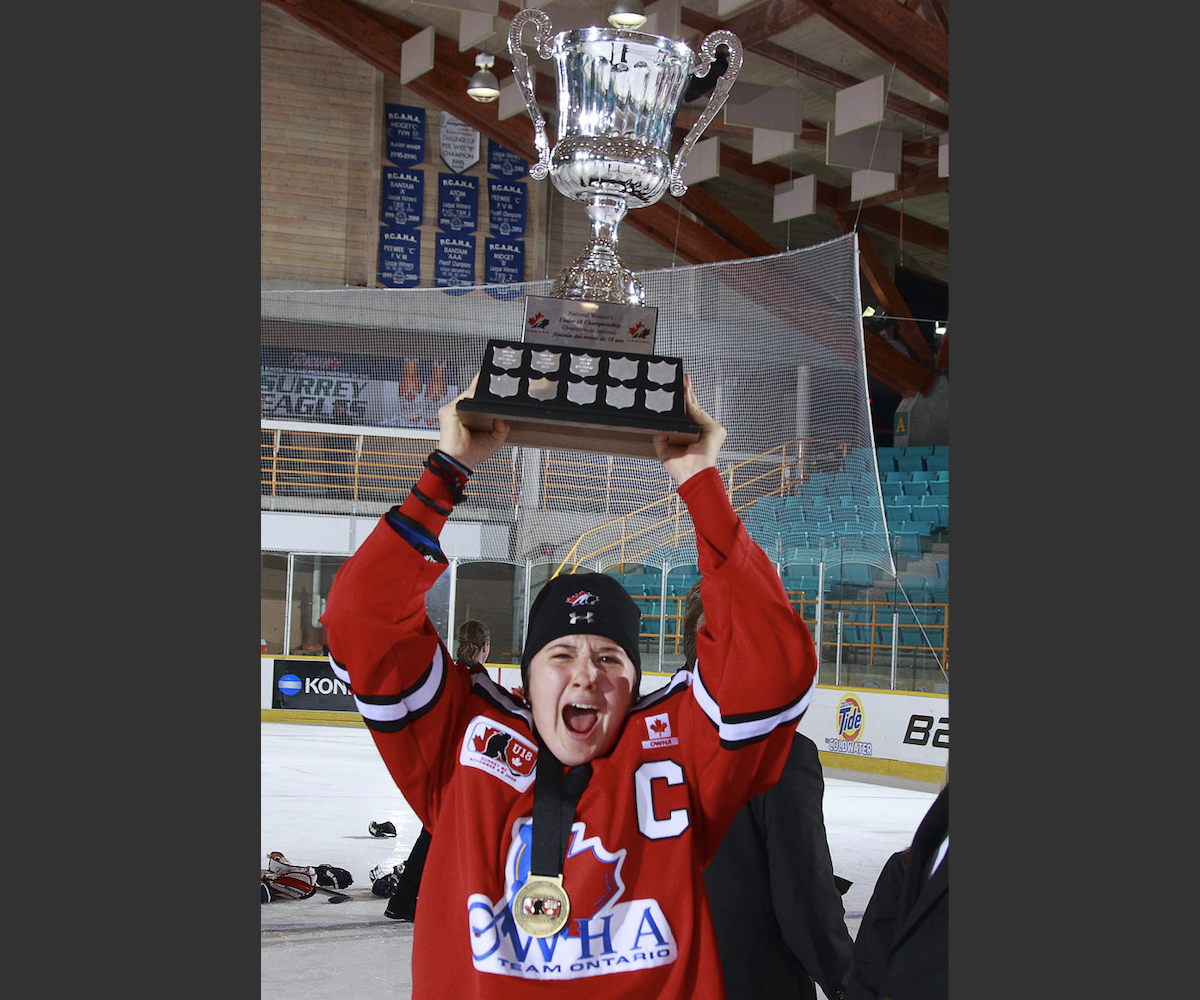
(321, 786)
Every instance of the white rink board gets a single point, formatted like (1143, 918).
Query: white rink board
(852, 727)
(897, 726)
(861, 723)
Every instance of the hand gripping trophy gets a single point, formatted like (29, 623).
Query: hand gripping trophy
(584, 376)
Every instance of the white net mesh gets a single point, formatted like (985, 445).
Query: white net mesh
(774, 348)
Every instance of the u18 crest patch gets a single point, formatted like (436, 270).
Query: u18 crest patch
(491, 746)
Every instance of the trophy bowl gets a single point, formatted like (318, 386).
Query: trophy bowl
(618, 97)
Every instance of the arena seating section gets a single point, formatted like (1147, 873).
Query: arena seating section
(797, 532)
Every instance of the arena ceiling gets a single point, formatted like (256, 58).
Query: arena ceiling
(816, 48)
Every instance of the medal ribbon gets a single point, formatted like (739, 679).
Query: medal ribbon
(555, 795)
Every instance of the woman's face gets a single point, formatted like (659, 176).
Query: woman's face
(580, 689)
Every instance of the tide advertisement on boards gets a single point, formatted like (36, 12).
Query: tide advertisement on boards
(308, 684)
(882, 725)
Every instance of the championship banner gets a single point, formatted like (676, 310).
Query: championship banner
(506, 209)
(405, 134)
(458, 203)
(505, 163)
(403, 202)
(400, 257)
(460, 144)
(503, 262)
(454, 261)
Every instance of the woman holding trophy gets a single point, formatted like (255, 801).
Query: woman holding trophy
(571, 829)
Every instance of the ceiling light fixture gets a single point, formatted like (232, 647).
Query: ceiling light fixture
(939, 328)
(868, 312)
(483, 86)
(627, 14)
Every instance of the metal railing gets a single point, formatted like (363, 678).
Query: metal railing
(380, 468)
(877, 649)
(777, 472)
(367, 467)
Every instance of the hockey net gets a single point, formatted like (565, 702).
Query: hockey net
(774, 348)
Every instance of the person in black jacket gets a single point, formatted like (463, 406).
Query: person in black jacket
(902, 951)
(473, 643)
(775, 902)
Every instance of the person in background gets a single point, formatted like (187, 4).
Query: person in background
(570, 832)
(903, 944)
(775, 902)
(473, 644)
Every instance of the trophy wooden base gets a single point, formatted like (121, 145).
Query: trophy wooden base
(542, 429)
(580, 399)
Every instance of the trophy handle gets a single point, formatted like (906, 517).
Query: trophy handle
(524, 77)
(708, 50)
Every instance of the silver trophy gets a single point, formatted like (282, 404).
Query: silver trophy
(618, 97)
(584, 376)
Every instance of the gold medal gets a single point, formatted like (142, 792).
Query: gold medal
(541, 906)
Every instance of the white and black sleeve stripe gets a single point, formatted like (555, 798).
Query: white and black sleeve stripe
(739, 730)
(390, 713)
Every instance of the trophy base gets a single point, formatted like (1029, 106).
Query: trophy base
(580, 399)
(553, 431)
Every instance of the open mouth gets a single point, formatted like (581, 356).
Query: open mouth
(580, 720)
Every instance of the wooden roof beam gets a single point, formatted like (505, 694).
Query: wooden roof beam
(817, 71)
(924, 180)
(720, 219)
(763, 21)
(935, 12)
(894, 368)
(889, 296)
(837, 200)
(920, 50)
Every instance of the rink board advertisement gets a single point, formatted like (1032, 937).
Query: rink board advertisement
(305, 683)
(868, 730)
(857, 727)
(378, 391)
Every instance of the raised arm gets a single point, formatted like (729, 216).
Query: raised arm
(682, 461)
(380, 637)
(755, 660)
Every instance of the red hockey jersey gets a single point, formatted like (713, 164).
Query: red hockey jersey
(463, 752)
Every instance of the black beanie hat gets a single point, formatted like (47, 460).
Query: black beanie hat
(588, 604)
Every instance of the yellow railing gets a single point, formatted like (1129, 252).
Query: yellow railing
(933, 636)
(779, 471)
(878, 647)
(366, 467)
(631, 545)
(776, 480)
(382, 468)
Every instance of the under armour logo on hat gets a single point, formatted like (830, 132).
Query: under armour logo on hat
(595, 604)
